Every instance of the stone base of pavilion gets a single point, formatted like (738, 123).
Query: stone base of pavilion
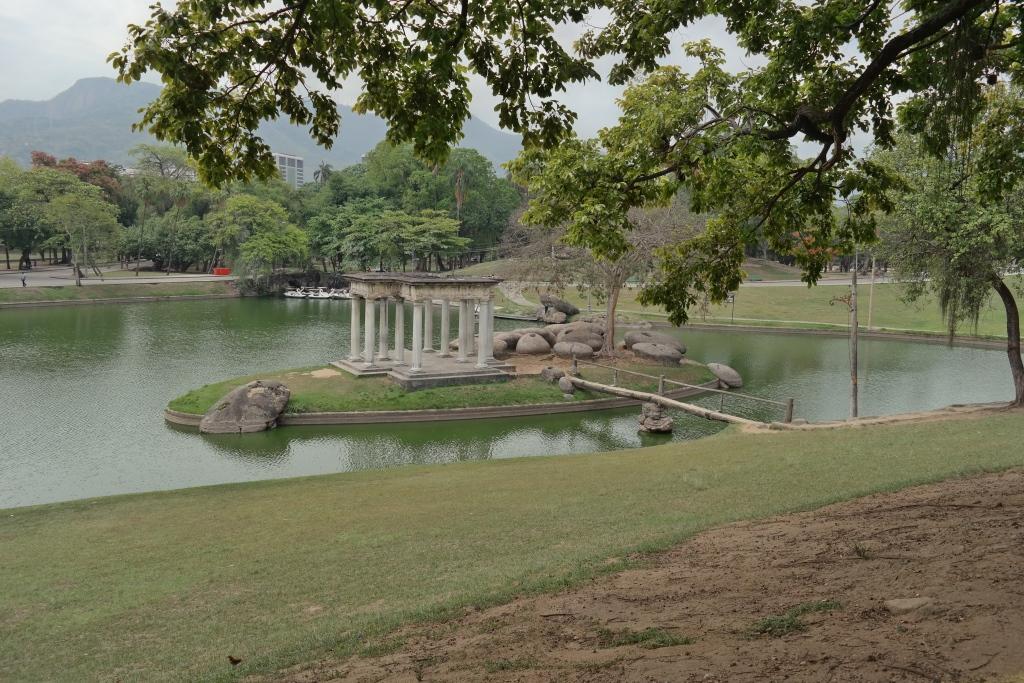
(439, 371)
(436, 371)
(420, 367)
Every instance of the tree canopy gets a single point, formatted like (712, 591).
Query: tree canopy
(821, 73)
(825, 69)
(957, 230)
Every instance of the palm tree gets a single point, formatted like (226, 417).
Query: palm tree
(322, 172)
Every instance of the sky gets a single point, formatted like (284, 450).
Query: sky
(46, 45)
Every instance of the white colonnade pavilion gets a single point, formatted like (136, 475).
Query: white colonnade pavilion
(414, 362)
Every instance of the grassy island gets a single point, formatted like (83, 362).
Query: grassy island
(325, 389)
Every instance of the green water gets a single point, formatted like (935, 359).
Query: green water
(85, 388)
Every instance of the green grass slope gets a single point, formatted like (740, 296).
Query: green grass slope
(163, 586)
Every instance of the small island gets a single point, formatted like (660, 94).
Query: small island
(326, 395)
(515, 373)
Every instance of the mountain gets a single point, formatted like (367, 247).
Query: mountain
(92, 120)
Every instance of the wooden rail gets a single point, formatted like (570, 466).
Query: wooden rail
(662, 400)
(786, 405)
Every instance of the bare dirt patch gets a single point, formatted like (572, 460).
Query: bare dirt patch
(798, 598)
(323, 373)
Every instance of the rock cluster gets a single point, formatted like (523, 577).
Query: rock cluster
(585, 337)
(254, 407)
(653, 419)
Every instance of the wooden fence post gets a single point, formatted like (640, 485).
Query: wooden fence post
(789, 410)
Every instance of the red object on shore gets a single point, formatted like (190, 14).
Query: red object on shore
(222, 271)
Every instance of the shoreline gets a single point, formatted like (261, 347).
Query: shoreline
(923, 337)
(116, 300)
(182, 419)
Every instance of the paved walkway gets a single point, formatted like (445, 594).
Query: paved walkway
(62, 276)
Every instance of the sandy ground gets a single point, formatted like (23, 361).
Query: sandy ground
(958, 545)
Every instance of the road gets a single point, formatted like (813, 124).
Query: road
(62, 276)
(827, 282)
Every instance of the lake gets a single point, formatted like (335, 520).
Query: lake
(85, 388)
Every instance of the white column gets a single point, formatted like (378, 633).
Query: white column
(472, 326)
(487, 320)
(382, 338)
(399, 331)
(353, 351)
(481, 345)
(445, 328)
(370, 333)
(463, 333)
(428, 326)
(417, 337)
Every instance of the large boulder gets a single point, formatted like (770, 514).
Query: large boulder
(568, 349)
(254, 407)
(726, 375)
(582, 336)
(585, 325)
(566, 385)
(645, 337)
(554, 316)
(533, 344)
(499, 348)
(510, 338)
(542, 331)
(556, 328)
(654, 419)
(552, 374)
(658, 353)
(558, 304)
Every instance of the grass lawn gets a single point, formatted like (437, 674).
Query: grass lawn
(165, 586)
(341, 391)
(809, 307)
(113, 291)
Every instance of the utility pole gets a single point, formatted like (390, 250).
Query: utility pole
(853, 338)
(871, 292)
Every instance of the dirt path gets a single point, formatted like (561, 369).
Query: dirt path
(959, 545)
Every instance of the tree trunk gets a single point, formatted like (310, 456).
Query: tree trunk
(7, 256)
(85, 254)
(1012, 340)
(75, 268)
(609, 322)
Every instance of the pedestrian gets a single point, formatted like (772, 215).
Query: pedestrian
(23, 277)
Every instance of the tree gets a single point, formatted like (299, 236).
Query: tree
(87, 223)
(265, 250)
(958, 228)
(163, 161)
(322, 173)
(542, 254)
(26, 224)
(275, 240)
(823, 71)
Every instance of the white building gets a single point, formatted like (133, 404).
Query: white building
(291, 168)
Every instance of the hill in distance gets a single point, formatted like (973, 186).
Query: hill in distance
(93, 118)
